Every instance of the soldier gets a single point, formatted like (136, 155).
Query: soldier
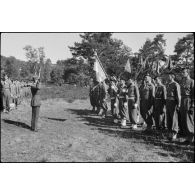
(187, 106)
(122, 92)
(6, 93)
(102, 99)
(112, 90)
(35, 103)
(91, 94)
(147, 91)
(160, 104)
(173, 103)
(133, 101)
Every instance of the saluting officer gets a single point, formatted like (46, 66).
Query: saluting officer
(133, 102)
(122, 92)
(147, 92)
(173, 103)
(187, 106)
(35, 103)
(160, 104)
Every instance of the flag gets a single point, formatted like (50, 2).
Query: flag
(169, 63)
(128, 66)
(158, 67)
(100, 72)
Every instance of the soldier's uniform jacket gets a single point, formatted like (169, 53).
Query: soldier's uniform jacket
(187, 89)
(160, 93)
(112, 90)
(102, 91)
(35, 90)
(133, 92)
(174, 93)
(6, 85)
(147, 92)
(122, 93)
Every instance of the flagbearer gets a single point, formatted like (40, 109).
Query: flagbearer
(147, 91)
(173, 103)
(187, 106)
(133, 101)
(91, 94)
(122, 92)
(160, 104)
(112, 90)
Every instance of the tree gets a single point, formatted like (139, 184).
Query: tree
(57, 75)
(153, 51)
(112, 52)
(46, 69)
(184, 50)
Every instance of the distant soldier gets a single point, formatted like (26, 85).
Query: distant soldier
(147, 92)
(35, 103)
(112, 90)
(160, 104)
(122, 92)
(133, 102)
(6, 93)
(173, 103)
(187, 106)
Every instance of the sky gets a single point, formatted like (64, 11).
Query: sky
(56, 44)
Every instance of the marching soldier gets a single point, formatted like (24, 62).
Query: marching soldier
(113, 89)
(147, 91)
(160, 105)
(133, 101)
(122, 92)
(187, 106)
(35, 103)
(173, 103)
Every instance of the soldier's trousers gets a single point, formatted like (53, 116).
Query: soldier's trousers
(159, 114)
(6, 99)
(114, 109)
(104, 106)
(35, 117)
(146, 112)
(122, 109)
(133, 112)
(186, 118)
(92, 100)
(172, 115)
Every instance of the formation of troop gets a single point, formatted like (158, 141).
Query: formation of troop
(12, 93)
(159, 103)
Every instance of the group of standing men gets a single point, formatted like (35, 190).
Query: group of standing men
(12, 93)
(162, 107)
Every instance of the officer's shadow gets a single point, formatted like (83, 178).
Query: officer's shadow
(17, 123)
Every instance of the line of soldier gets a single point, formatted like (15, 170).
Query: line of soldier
(12, 93)
(169, 107)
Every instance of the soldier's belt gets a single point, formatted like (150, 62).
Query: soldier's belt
(113, 98)
(131, 98)
(121, 97)
(171, 98)
(158, 98)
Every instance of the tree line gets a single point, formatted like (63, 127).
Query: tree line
(113, 54)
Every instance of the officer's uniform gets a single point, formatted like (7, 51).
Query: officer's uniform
(187, 106)
(35, 104)
(160, 106)
(6, 94)
(147, 92)
(133, 98)
(122, 95)
(172, 103)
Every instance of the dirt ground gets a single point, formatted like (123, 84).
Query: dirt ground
(69, 132)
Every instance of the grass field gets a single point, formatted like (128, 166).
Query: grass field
(69, 132)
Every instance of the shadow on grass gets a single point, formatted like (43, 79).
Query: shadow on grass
(107, 127)
(19, 124)
(56, 119)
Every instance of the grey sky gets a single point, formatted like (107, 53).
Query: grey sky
(56, 44)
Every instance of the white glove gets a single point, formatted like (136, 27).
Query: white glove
(135, 105)
(125, 104)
